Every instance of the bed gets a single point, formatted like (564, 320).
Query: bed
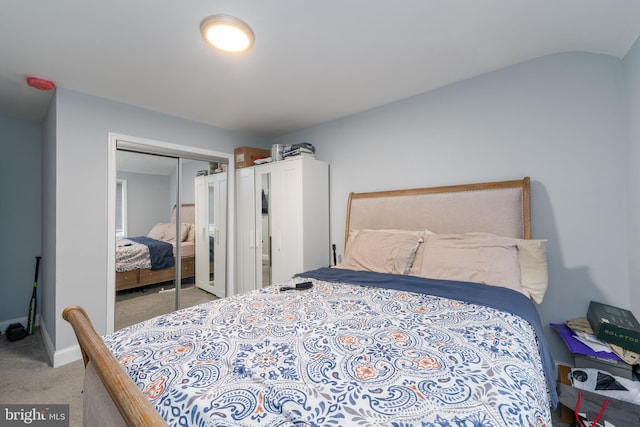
(371, 342)
(148, 260)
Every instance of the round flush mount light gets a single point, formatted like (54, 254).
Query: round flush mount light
(41, 84)
(227, 33)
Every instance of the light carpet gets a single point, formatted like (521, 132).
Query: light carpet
(27, 378)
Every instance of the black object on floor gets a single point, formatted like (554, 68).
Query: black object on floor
(15, 332)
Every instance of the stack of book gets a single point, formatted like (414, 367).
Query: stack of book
(297, 149)
(585, 357)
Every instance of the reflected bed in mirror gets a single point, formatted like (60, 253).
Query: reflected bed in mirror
(150, 259)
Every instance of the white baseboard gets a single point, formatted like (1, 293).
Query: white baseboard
(67, 355)
(59, 357)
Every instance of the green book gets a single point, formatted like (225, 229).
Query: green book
(614, 325)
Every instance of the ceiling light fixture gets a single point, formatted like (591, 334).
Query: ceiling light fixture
(227, 33)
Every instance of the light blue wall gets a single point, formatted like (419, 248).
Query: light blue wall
(20, 216)
(49, 216)
(559, 119)
(190, 169)
(632, 75)
(151, 198)
(82, 126)
(148, 201)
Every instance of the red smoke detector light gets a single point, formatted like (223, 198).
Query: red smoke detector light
(40, 84)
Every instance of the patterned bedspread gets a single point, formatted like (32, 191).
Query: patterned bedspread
(338, 354)
(131, 255)
(143, 252)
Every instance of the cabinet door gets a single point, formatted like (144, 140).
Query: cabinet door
(246, 229)
(286, 220)
(211, 237)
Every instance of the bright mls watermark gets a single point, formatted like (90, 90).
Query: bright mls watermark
(34, 415)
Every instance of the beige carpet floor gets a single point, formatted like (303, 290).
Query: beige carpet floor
(27, 378)
(151, 301)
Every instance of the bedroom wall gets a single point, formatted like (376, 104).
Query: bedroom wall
(148, 201)
(560, 119)
(190, 170)
(20, 216)
(632, 85)
(82, 126)
(48, 314)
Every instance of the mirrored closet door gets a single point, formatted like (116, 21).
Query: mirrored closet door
(158, 246)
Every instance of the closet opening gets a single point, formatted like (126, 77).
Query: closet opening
(168, 230)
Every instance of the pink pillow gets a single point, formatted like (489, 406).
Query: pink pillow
(471, 257)
(382, 251)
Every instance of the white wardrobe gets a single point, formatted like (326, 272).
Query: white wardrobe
(211, 236)
(282, 220)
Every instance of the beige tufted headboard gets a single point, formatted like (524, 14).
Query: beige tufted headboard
(187, 215)
(502, 208)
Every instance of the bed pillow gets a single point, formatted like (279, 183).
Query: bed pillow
(191, 237)
(533, 267)
(472, 257)
(170, 234)
(158, 231)
(381, 251)
(417, 263)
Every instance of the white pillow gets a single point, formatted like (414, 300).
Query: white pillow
(533, 267)
(191, 237)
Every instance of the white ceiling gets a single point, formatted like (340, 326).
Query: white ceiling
(313, 61)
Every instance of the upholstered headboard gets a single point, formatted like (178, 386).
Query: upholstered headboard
(496, 207)
(187, 213)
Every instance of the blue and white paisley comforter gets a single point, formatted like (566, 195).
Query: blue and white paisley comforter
(342, 354)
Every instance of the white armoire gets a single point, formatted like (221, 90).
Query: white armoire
(282, 216)
(211, 235)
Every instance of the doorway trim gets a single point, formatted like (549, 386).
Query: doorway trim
(144, 145)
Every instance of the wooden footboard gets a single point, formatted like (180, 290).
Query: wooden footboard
(134, 407)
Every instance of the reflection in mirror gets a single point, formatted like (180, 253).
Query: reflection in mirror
(202, 261)
(212, 229)
(145, 208)
(265, 227)
(211, 226)
(147, 197)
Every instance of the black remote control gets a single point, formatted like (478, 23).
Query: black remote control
(297, 287)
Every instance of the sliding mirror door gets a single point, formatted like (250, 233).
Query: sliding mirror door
(157, 247)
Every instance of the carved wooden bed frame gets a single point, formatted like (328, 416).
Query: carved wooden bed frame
(497, 207)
